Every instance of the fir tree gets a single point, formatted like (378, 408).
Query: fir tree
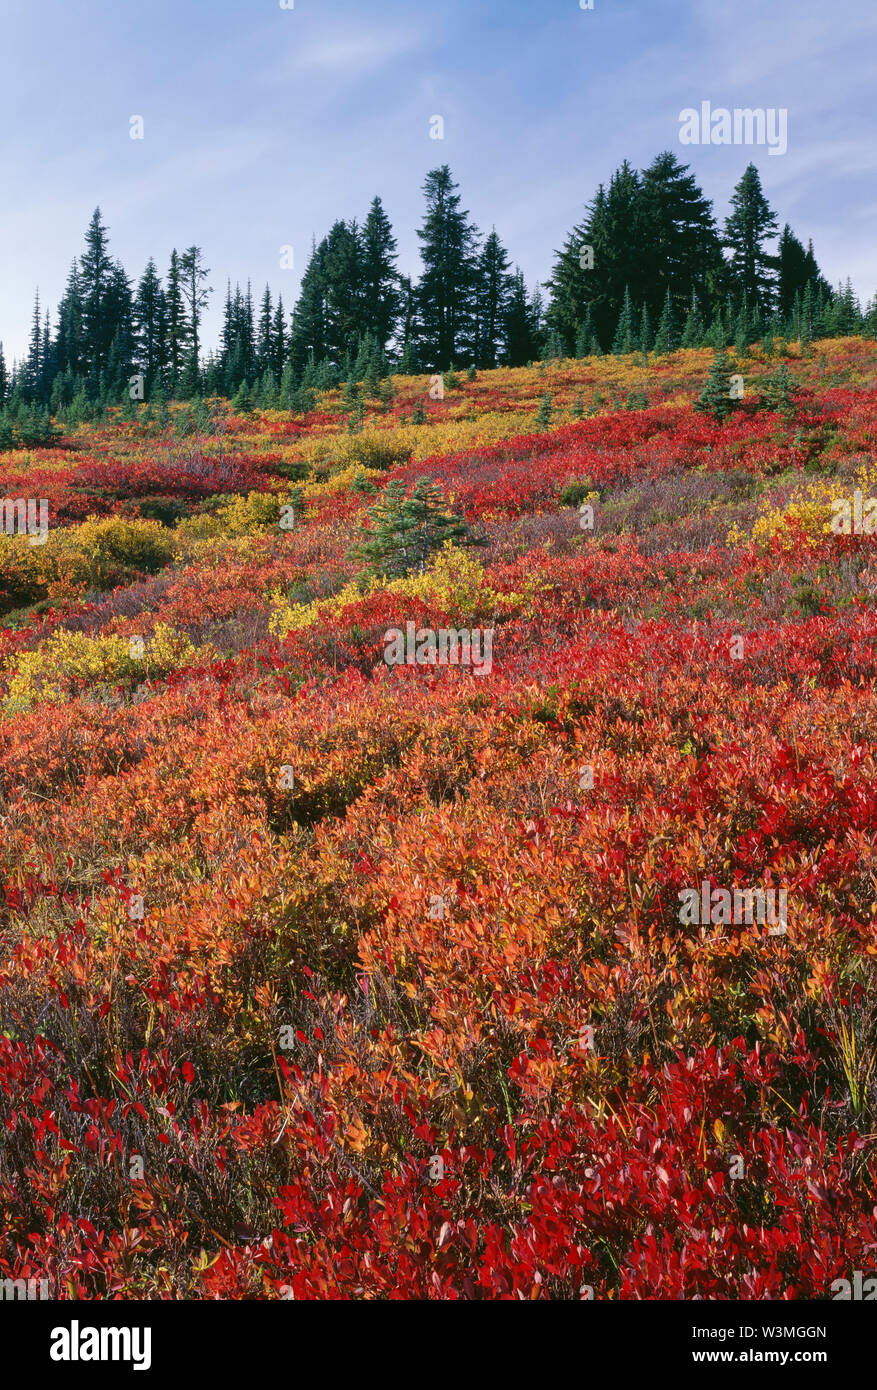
(33, 367)
(149, 327)
(646, 336)
(310, 316)
(665, 338)
(278, 340)
(715, 398)
(750, 224)
(175, 318)
(545, 412)
(70, 337)
(692, 333)
(343, 289)
(94, 279)
(681, 250)
(493, 293)
(520, 329)
(195, 294)
(381, 294)
(625, 335)
(717, 337)
(265, 338)
(446, 292)
(405, 530)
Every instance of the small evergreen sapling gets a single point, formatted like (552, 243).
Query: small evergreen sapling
(715, 398)
(405, 530)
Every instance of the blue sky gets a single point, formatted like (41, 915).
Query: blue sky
(262, 124)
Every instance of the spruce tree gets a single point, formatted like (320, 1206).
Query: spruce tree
(646, 336)
(265, 332)
(545, 412)
(33, 366)
(278, 340)
(520, 331)
(310, 316)
(70, 340)
(750, 224)
(195, 294)
(446, 292)
(571, 284)
(406, 530)
(692, 332)
(343, 288)
(715, 398)
(149, 327)
(493, 294)
(791, 271)
(612, 229)
(625, 334)
(681, 250)
(665, 338)
(381, 293)
(717, 336)
(95, 268)
(177, 329)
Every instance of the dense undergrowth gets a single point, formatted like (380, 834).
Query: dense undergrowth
(326, 978)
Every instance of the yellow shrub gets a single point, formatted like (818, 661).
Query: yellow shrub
(239, 517)
(97, 554)
(810, 512)
(68, 660)
(378, 449)
(288, 617)
(454, 581)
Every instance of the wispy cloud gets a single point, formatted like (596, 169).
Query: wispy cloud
(263, 125)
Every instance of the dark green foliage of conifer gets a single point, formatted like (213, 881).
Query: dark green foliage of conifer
(406, 529)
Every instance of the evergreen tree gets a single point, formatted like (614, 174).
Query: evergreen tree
(777, 392)
(70, 341)
(612, 234)
(343, 275)
(692, 332)
(625, 333)
(681, 250)
(278, 340)
(265, 339)
(4, 378)
(744, 330)
(493, 292)
(310, 315)
(571, 284)
(587, 344)
(646, 336)
(751, 222)
(665, 339)
(446, 292)
(404, 531)
(718, 335)
(381, 294)
(195, 294)
(715, 398)
(409, 327)
(33, 366)
(545, 412)
(149, 327)
(95, 269)
(520, 328)
(177, 328)
(792, 271)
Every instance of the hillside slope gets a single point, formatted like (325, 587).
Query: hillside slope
(355, 978)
